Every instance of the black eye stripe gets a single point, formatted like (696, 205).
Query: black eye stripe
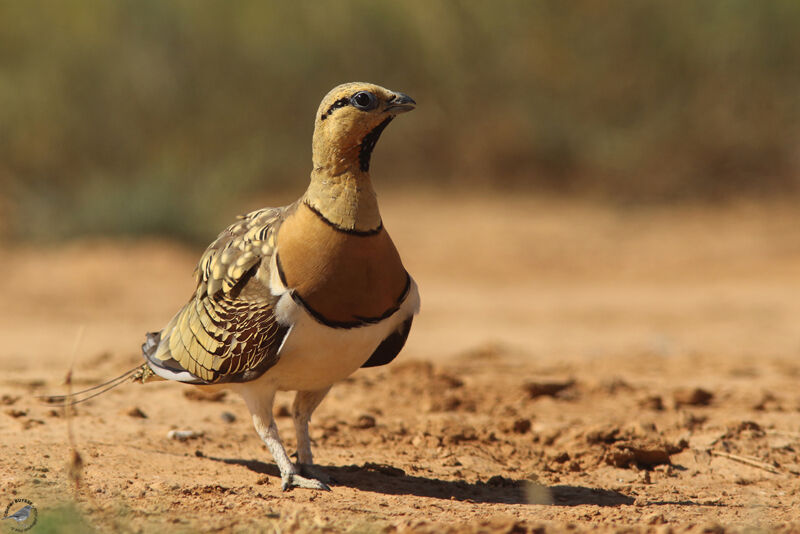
(342, 102)
(353, 101)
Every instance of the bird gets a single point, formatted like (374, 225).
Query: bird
(296, 298)
(21, 515)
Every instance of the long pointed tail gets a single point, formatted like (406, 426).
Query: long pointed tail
(140, 373)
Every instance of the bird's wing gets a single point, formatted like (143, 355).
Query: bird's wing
(227, 331)
(20, 515)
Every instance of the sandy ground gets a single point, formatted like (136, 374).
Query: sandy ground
(573, 368)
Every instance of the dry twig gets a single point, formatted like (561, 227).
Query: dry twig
(753, 462)
(784, 433)
(75, 465)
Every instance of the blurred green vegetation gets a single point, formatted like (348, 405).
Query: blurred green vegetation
(64, 519)
(148, 116)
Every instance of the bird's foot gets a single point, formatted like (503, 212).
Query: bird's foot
(294, 480)
(313, 471)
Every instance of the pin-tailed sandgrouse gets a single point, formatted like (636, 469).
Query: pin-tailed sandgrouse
(299, 297)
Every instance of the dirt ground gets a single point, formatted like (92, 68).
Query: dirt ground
(573, 368)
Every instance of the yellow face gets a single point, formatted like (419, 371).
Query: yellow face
(352, 116)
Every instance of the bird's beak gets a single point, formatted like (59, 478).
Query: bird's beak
(400, 103)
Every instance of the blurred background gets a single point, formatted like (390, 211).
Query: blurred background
(140, 117)
(604, 191)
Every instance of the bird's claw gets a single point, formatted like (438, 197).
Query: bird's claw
(312, 471)
(294, 480)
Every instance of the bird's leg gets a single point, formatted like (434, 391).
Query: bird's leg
(264, 423)
(305, 402)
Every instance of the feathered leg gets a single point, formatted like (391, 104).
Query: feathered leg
(260, 406)
(305, 402)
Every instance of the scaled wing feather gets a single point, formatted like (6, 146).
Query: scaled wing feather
(227, 332)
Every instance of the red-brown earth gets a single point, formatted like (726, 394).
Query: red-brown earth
(573, 368)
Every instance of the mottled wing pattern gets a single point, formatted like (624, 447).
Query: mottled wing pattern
(227, 331)
(239, 247)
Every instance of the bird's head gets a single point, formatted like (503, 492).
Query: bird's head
(349, 122)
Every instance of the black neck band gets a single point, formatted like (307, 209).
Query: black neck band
(359, 321)
(351, 231)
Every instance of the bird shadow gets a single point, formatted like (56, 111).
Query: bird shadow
(388, 480)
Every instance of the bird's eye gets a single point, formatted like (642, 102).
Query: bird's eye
(364, 100)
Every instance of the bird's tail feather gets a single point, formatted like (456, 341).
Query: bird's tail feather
(140, 373)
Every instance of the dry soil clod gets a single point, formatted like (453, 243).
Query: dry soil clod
(136, 412)
(692, 397)
(204, 396)
(547, 389)
(184, 435)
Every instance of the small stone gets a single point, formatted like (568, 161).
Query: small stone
(620, 457)
(8, 400)
(228, 417)
(648, 455)
(136, 412)
(652, 402)
(183, 435)
(522, 426)
(365, 421)
(692, 397)
(547, 389)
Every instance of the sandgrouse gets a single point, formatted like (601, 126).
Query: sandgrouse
(299, 297)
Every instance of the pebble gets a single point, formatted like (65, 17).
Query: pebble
(228, 417)
(136, 412)
(183, 435)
